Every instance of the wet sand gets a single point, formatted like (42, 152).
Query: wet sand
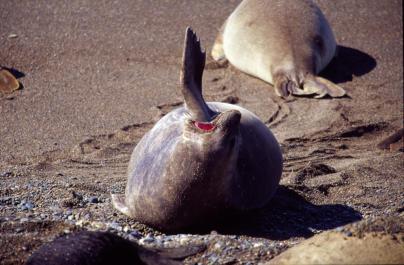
(97, 75)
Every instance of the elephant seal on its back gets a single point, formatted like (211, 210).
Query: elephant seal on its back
(200, 161)
(283, 42)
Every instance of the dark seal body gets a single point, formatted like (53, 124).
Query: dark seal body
(200, 161)
(104, 248)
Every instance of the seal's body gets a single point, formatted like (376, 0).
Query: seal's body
(200, 160)
(283, 42)
(104, 248)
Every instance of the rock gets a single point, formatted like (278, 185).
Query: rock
(135, 235)
(366, 242)
(29, 205)
(8, 83)
(93, 199)
(6, 174)
(147, 240)
(115, 226)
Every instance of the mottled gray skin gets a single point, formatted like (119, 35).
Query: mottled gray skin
(180, 176)
(283, 42)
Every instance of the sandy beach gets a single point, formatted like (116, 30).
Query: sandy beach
(96, 75)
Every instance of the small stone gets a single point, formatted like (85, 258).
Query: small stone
(257, 245)
(126, 228)
(218, 245)
(6, 174)
(24, 220)
(184, 240)
(29, 205)
(97, 225)
(213, 259)
(135, 234)
(147, 240)
(79, 223)
(70, 217)
(66, 231)
(115, 226)
(12, 36)
(19, 229)
(348, 233)
(93, 199)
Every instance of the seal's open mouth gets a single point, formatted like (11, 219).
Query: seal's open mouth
(204, 126)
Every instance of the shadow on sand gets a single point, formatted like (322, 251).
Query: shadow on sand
(348, 63)
(289, 215)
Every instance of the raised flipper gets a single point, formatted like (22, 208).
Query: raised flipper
(322, 87)
(193, 63)
(118, 201)
(217, 49)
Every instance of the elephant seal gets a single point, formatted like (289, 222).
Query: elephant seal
(200, 161)
(104, 248)
(283, 42)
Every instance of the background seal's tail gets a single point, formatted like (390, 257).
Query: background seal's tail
(193, 63)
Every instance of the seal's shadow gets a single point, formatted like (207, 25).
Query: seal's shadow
(16, 73)
(349, 62)
(289, 215)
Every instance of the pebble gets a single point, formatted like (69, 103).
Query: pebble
(135, 234)
(29, 205)
(184, 240)
(218, 245)
(6, 174)
(93, 199)
(257, 245)
(115, 226)
(12, 36)
(213, 259)
(147, 240)
(348, 233)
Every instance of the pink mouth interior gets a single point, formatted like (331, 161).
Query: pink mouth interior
(205, 126)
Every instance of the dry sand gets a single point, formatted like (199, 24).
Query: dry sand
(96, 75)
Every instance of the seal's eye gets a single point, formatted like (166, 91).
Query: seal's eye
(205, 126)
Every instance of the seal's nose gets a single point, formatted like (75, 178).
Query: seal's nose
(229, 120)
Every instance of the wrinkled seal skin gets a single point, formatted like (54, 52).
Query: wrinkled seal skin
(283, 42)
(181, 176)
